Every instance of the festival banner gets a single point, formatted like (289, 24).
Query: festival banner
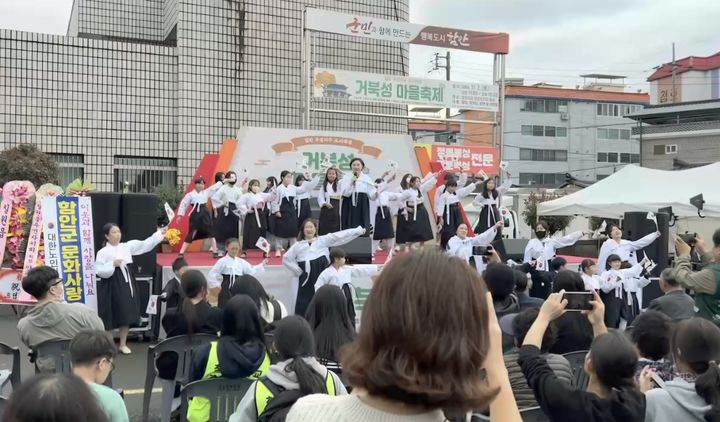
(5, 209)
(473, 159)
(69, 248)
(359, 86)
(405, 32)
(33, 242)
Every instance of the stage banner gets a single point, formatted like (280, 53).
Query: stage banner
(5, 210)
(405, 32)
(359, 86)
(69, 248)
(473, 159)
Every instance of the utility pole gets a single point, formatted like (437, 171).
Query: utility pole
(445, 66)
(674, 65)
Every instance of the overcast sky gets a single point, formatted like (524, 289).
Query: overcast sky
(551, 41)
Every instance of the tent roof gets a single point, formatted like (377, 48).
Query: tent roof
(636, 188)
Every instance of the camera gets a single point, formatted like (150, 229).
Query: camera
(689, 238)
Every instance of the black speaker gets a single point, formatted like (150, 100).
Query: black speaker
(358, 251)
(586, 248)
(510, 249)
(635, 226)
(105, 209)
(138, 220)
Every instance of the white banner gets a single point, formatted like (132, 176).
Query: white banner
(69, 247)
(358, 86)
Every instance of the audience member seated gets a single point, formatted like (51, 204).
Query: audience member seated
(574, 332)
(331, 324)
(522, 291)
(676, 304)
(53, 398)
(52, 319)
(518, 326)
(92, 354)
(500, 280)
(694, 395)
(413, 358)
(611, 394)
(271, 309)
(650, 333)
(298, 374)
(239, 353)
(704, 282)
(172, 288)
(557, 264)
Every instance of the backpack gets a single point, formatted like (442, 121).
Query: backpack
(279, 400)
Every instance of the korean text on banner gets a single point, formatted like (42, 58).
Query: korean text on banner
(397, 31)
(33, 243)
(466, 158)
(359, 86)
(67, 222)
(5, 209)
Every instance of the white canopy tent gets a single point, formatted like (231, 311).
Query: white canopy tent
(635, 188)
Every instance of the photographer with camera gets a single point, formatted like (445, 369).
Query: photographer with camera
(705, 282)
(695, 255)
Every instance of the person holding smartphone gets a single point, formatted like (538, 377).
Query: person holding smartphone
(462, 246)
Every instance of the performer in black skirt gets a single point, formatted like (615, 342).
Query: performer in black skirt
(448, 204)
(329, 198)
(228, 268)
(252, 205)
(285, 211)
(356, 187)
(216, 205)
(200, 219)
(227, 225)
(382, 217)
(271, 186)
(414, 225)
(117, 292)
(302, 201)
(488, 201)
(307, 258)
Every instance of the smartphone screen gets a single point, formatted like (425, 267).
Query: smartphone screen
(578, 301)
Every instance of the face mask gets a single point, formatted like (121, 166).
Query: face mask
(540, 235)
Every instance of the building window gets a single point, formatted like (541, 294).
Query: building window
(549, 131)
(528, 154)
(541, 178)
(617, 110)
(612, 157)
(70, 166)
(671, 149)
(538, 130)
(599, 177)
(135, 174)
(659, 150)
(613, 134)
(635, 158)
(544, 106)
(625, 158)
(527, 130)
(561, 132)
(602, 157)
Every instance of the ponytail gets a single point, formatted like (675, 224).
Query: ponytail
(707, 386)
(188, 310)
(309, 380)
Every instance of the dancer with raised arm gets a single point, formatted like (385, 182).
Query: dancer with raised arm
(252, 206)
(329, 198)
(356, 188)
(285, 210)
(462, 246)
(414, 225)
(448, 204)
(201, 222)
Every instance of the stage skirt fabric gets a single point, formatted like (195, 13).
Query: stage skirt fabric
(251, 231)
(383, 226)
(270, 220)
(117, 305)
(287, 225)
(227, 225)
(201, 223)
(411, 230)
(225, 294)
(305, 212)
(486, 221)
(329, 218)
(449, 228)
(306, 292)
(358, 215)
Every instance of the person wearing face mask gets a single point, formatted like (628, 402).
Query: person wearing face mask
(286, 211)
(51, 318)
(117, 304)
(356, 188)
(625, 249)
(462, 246)
(309, 257)
(414, 226)
(228, 222)
(449, 209)
(201, 222)
(252, 205)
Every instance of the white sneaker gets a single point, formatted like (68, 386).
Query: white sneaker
(125, 350)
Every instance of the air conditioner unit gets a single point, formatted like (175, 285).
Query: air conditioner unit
(563, 116)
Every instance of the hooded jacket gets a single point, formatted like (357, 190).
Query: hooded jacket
(234, 360)
(246, 411)
(676, 401)
(52, 321)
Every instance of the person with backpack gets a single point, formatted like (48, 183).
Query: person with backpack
(271, 309)
(298, 374)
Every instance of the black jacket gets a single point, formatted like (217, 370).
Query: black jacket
(234, 360)
(574, 333)
(563, 403)
(208, 320)
(174, 293)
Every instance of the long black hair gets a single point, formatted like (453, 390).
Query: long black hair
(406, 181)
(274, 182)
(329, 319)
(193, 283)
(283, 174)
(228, 175)
(299, 179)
(611, 258)
(293, 339)
(106, 231)
(241, 321)
(486, 193)
(696, 342)
(614, 359)
(334, 184)
(251, 287)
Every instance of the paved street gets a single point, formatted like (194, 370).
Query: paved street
(129, 373)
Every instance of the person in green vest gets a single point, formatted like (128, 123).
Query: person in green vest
(298, 372)
(705, 282)
(239, 353)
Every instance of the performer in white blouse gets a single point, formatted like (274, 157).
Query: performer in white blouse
(589, 274)
(286, 211)
(542, 249)
(448, 208)
(117, 304)
(356, 188)
(462, 246)
(228, 222)
(329, 197)
(201, 225)
(228, 268)
(617, 285)
(414, 226)
(307, 258)
(381, 215)
(461, 181)
(625, 249)
(489, 202)
(252, 207)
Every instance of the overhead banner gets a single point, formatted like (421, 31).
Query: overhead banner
(69, 246)
(398, 31)
(359, 86)
(458, 158)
